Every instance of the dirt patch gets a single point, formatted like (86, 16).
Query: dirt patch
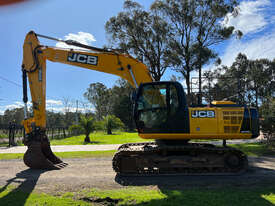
(98, 173)
(102, 201)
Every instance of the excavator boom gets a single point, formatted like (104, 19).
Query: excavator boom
(34, 68)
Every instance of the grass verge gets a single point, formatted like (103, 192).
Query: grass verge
(15, 197)
(139, 196)
(100, 138)
(81, 154)
(255, 149)
(250, 149)
(96, 138)
(157, 197)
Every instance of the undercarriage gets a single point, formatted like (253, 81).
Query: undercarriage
(152, 158)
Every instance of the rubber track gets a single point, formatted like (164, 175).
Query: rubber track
(137, 151)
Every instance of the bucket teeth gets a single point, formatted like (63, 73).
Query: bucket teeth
(46, 149)
(40, 156)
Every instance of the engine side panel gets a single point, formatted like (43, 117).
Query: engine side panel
(213, 123)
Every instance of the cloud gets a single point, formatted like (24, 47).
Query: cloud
(253, 16)
(257, 48)
(81, 37)
(72, 109)
(14, 105)
(51, 102)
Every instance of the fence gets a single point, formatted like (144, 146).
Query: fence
(19, 132)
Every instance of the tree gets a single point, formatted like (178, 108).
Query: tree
(69, 116)
(87, 123)
(112, 122)
(268, 119)
(114, 101)
(261, 80)
(195, 27)
(54, 120)
(76, 129)
(143, 34)
(245, 81)
(122, 106)
(13, 115)
(99, 96)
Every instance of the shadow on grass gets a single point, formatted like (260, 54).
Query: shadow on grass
(251, 188)
(18, 196)
(256, 149)
(92, 142)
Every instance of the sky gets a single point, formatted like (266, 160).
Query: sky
(84, 21)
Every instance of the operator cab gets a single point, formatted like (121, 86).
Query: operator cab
(160, 107)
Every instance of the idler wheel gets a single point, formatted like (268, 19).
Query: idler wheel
(233, 161)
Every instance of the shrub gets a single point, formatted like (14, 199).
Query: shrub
(112, 122)
(99, 125)
(76, 129)
(87, 123)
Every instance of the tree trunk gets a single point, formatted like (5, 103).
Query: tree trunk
(200, 78)
(109, 131)
(188, 85)
(87, 138)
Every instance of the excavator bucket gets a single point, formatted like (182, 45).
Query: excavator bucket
(40, 156)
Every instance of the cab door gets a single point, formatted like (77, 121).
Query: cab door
(158, 108)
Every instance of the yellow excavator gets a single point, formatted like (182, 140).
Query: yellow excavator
(160, 113)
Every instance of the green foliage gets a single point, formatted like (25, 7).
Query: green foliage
(112, 122)
(99, 96)
(268, 119)
(12, 115)
(99, 125)
(76, 129)
(87, 123)
(122, 105)
(195, 27)
(142, 34)
(245, 81)
(115, 101)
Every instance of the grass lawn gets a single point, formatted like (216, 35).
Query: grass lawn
(96, 138)
(251, 149)
(64, 155)
(101, 138)
(139, 196)
(255, 149)
(15, 197)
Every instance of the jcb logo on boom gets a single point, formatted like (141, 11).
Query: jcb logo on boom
(203, 114)
(82, 58)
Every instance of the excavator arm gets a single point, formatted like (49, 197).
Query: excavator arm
(34, 68)
(34, 64)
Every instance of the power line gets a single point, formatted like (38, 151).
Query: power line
(10, 81)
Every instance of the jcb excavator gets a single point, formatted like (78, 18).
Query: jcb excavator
(160, 113)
